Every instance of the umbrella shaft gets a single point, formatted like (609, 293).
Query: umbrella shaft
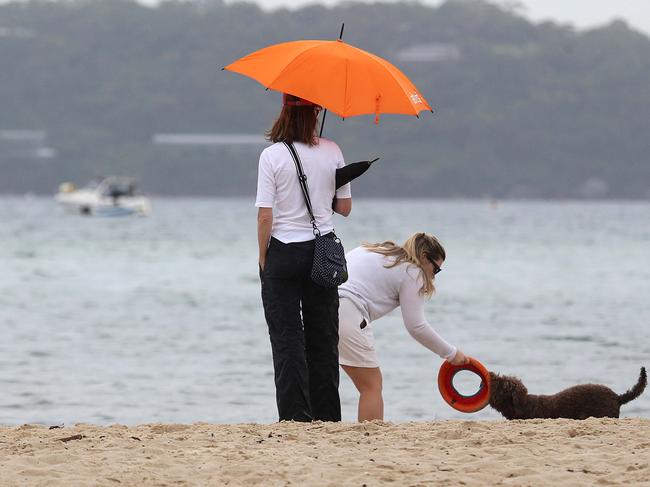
(322, 124)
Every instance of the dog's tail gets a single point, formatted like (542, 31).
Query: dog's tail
(636, 390)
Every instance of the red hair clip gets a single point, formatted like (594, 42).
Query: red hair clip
(296, 102)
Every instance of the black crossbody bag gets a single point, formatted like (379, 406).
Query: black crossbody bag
(329, 268)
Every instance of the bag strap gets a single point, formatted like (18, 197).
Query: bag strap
(302, 178)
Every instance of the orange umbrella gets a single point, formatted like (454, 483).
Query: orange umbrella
(342, 78)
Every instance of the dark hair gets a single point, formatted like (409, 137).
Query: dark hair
(295, 124)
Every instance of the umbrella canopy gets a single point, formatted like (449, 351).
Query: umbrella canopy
(352, 171)
(338, 76)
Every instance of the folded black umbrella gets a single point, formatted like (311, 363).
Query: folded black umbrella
(347, 173)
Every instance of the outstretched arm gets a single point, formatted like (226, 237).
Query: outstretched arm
(412, 306)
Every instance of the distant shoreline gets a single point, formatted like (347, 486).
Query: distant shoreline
(251, 197)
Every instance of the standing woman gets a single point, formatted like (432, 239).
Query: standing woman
(305, 347)
(385, 276)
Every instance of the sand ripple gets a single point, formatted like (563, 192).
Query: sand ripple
(537, 452)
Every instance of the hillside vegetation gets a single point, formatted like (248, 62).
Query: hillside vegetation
(521, 109)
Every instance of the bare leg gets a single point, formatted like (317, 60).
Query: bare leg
(368, 382)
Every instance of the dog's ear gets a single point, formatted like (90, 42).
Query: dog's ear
(519, 393)
(517, 406)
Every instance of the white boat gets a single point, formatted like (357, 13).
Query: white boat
(111, 196)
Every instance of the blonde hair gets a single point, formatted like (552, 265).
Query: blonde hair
(417, 247)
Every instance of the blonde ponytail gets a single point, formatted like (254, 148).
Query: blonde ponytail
(417, 247)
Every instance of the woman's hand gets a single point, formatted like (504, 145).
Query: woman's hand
(458, 359)
(342, 206)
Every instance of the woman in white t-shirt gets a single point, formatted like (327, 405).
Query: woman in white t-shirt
(302, 316)
(384, 276)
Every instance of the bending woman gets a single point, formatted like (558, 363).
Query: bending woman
(384, 276)
(304, 346)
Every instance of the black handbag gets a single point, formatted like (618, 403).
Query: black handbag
(329, 268)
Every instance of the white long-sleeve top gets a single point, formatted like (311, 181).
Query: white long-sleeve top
(377, 290)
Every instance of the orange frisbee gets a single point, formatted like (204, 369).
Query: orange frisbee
(458, 401)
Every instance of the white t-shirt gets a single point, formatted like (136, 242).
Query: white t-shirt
(376, 290)
(278, 188)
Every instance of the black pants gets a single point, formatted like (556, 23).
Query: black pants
(305, 349)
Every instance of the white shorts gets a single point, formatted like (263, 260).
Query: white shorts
(356, 344)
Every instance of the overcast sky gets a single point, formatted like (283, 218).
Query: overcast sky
(582, 13)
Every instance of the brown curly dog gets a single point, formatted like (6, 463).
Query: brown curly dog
(509, 396)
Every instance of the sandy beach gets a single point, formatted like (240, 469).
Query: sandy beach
(536, 452)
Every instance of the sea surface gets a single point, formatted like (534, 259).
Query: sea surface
(159, 319)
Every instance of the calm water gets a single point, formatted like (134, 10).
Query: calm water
(159, 319)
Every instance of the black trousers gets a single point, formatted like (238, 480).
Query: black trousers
(305, 348)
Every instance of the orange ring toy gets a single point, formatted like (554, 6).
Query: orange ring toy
(465, 404)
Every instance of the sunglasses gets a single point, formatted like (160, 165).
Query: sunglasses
(436, 267)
